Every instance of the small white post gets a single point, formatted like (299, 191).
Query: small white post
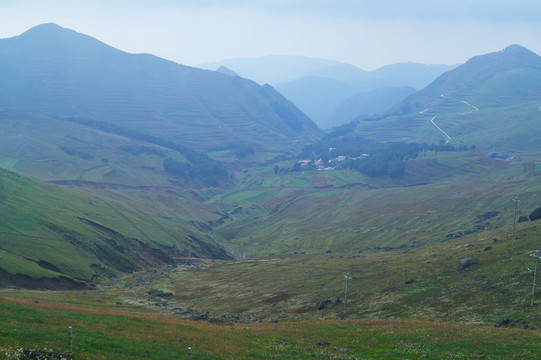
(189, 353)
(70, 331)
(346, 295)
(515, 200)
(537, 257)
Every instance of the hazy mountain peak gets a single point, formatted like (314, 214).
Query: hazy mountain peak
(517, 49)
(226, 71)
(51, 32)
(46, 27)
(512, 56)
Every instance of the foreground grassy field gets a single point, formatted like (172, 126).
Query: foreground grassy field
(105, 333)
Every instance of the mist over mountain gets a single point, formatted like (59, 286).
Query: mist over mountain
(275, 69)
(58, 72)
(492, 101)
(319, 86)
(370, 103)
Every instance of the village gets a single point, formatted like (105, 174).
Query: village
(327, 165)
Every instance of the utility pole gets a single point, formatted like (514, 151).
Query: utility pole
(346, 296)
(537, 257)
(515, 200)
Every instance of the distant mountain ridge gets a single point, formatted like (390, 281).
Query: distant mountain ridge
(492, 101)
(54, 71)
(320, 87)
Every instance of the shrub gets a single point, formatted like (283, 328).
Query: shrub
(536, 214)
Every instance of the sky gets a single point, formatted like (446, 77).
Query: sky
(366, 33)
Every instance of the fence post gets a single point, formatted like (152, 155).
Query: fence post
(189, 353)
(70, 331)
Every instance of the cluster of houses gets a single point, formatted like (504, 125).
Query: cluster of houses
(331, 163)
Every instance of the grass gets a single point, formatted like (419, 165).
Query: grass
(113, 334)
(8, 163)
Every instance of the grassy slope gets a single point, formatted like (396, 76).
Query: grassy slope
(287, 288)
(83, 235)
(31, 145)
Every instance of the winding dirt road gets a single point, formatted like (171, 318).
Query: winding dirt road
(435, 116)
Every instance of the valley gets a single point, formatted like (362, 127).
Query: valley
(156, 207)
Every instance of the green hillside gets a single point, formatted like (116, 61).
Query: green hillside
(439, 195)
(56, 237)
(491, 101)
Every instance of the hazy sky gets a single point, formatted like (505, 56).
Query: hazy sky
(365, 33)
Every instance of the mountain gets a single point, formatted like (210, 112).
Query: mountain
(491, 101)
(58, 72)
(319, 86)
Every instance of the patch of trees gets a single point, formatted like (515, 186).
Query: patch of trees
(239, 150)
(199, 166)
(378, 165)
(75, 152)
(137, 150)
(536, 214)
(213, 173)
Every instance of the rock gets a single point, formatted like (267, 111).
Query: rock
(216, 320)
(324, 304)
(466, 263)
(410, 280)
(155, 292)
(503, 323)
(524, 323)
(43, 354)
(487, 248)
(166, 294)
(328, 251)
(323, 343)
(202, 316)
(159, 293)
(339, 349)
